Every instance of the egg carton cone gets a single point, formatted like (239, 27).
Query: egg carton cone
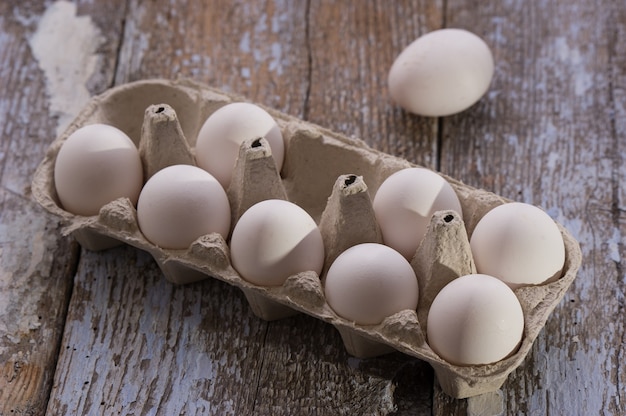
(333, 178)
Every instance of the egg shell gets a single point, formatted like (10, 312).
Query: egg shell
(369, 282)
(181, 203)
(518, 243)
(475, 319)
(273, 240)
(221, 135)
(97, 164)
(441, 73)
(405, 203)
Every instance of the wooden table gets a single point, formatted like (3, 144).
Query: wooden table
(104, 333)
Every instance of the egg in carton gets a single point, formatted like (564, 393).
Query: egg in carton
(330, 176)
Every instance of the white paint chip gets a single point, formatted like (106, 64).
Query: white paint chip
(614, 246)
(553, 159)
(65, 47)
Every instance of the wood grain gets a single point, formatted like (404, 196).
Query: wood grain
(36, 264)
(35, 281)
(104, 333)
(546, 135)
(348, 90)
(137, 343)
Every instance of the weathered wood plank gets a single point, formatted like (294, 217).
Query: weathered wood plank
(34, 274)
(262, 50)
(37, 263)
(35, 282)
(255, 49)
(546, 134)
(137, 344)
(162, 349)
(550, 132)
(352, 48)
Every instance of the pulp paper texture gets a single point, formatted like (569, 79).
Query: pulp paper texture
(333, 178)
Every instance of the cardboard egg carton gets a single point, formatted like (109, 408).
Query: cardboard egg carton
(331, 176)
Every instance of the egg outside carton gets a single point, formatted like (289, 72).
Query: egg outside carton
(328, 175)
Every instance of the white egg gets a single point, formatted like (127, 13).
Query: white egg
(475, 319)
(275, 239)
(441, 73)
(97, 164)
(221, 135)
(369, 282)
(181, 203)
(519, 244)
(404, 204)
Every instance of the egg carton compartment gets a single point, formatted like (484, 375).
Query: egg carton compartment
(329, 175)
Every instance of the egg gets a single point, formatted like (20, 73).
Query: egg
(369, 282)
(275, 239)
(518, 243)
(96, 164)
(475, 319)
(441, 73)
(181, 203)
(404, 204)
(221, 135)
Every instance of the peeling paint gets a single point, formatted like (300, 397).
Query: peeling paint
(63, 44)
(17, 294)
(614, 246)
